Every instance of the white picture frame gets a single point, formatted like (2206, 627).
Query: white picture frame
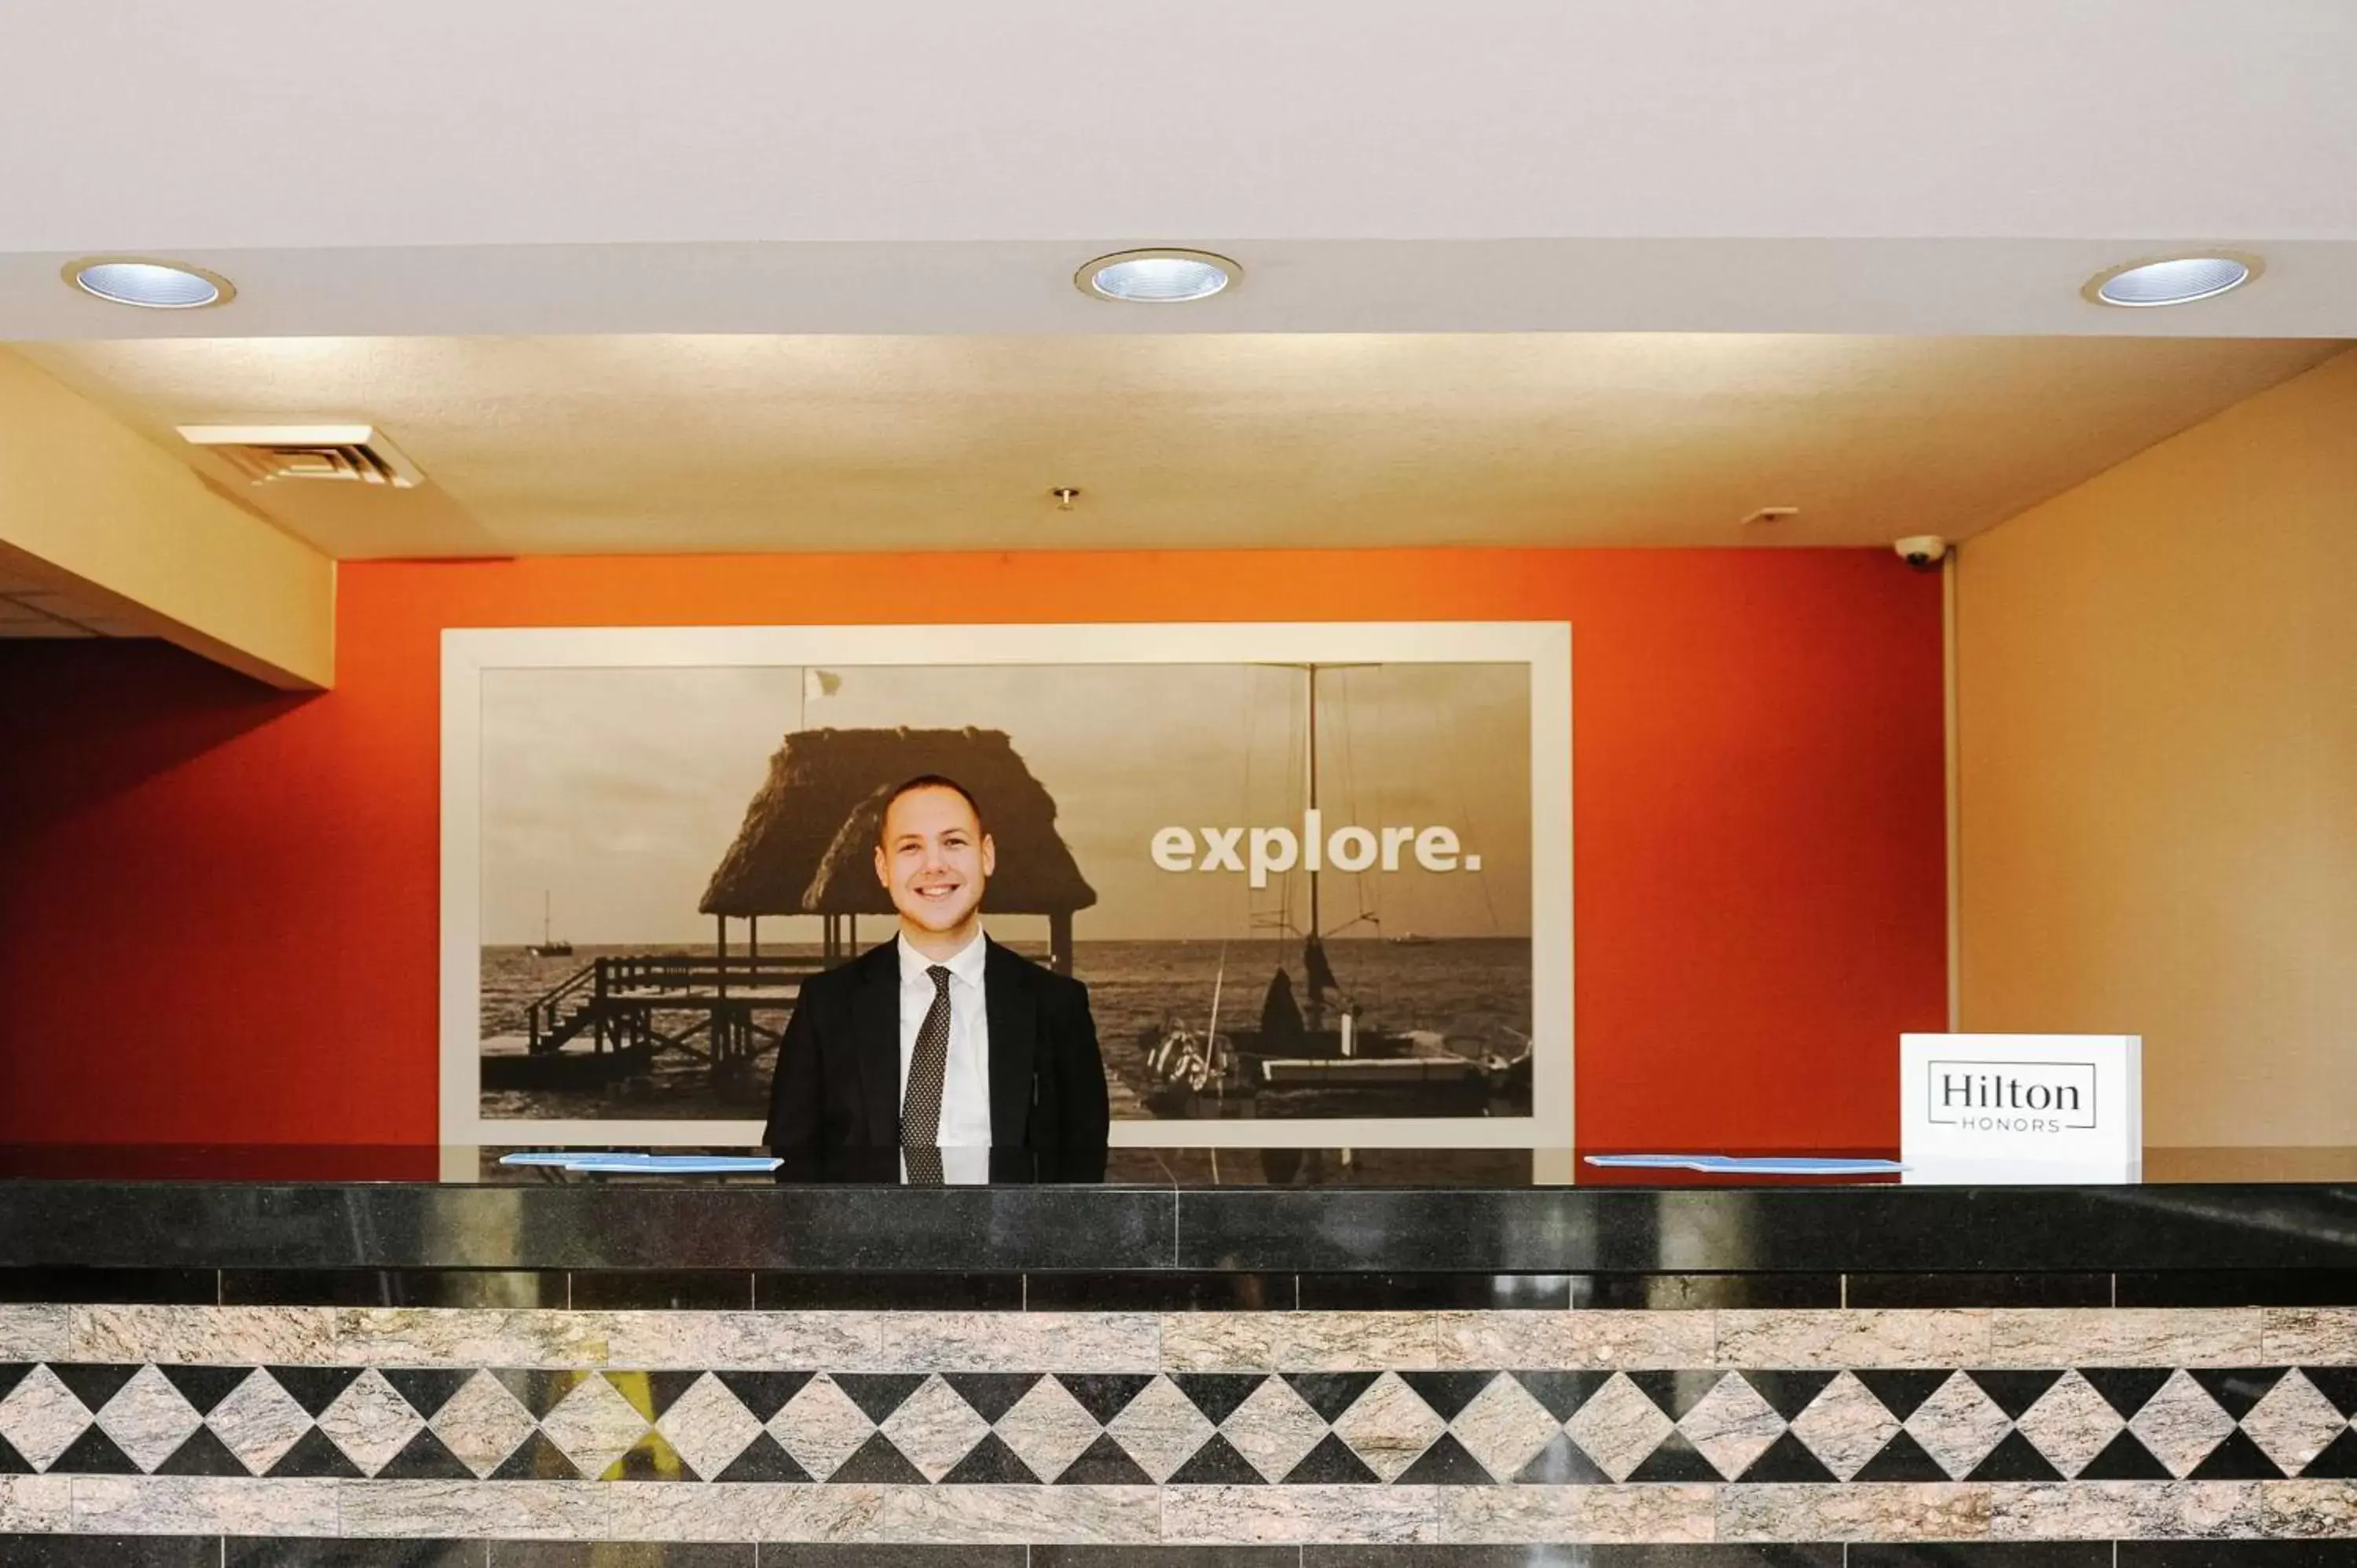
(468, 655)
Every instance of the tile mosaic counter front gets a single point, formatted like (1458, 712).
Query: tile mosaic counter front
(1720, 1437)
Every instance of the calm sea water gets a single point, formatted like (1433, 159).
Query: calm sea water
(1474, 990)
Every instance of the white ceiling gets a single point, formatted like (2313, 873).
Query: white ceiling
(443, 167)
(578, 444)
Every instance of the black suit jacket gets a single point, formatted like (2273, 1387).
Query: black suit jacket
(838, 1081)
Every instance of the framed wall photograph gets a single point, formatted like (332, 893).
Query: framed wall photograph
(1316, 876)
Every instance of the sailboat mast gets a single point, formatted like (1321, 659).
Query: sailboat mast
(544, 926)
(1313, 796)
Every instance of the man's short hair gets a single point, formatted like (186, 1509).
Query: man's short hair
(926, 781)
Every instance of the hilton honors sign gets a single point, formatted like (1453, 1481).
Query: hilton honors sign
(2021, 1107)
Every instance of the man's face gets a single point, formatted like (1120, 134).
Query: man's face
(934, 859)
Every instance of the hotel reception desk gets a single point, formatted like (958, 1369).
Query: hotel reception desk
(1420, 1361)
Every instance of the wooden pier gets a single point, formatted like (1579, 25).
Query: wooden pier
(611, 1018)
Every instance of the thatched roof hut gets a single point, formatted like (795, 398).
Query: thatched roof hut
(807, 844)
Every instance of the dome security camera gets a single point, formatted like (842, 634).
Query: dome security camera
(1924, 551)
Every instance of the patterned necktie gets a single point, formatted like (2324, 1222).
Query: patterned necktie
(929, 1068)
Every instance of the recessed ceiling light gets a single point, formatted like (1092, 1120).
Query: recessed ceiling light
(1158, 277)
(155, 286)
(2173, 280)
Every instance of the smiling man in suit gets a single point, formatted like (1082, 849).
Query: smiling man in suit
(941, 1043)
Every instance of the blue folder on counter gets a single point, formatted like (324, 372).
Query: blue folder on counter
(601, 1162)
(1748, 1165)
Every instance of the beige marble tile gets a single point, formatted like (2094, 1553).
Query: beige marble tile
(1014, 1342)
(1731, 1426)
(730, 1510)
(843, 1341)
(2123, 1511)
(1617, 1427)
(2314, 1335)
(439, 1337)
(1512, 1341)
(40, 1418)
(2182, 1424)
(1048, 1429)
(217, 1335)
(515, 1510)
(1354, 1341)
(1275, 1429)
(1389, 1427)
(1846, 1425)
(2071, 1423)
(2310, 1510)
(1514, 1515)
(35, 1504)
(1958, 1426)
(594, 1425)
(1219, 1341)
(2123, 1337)
(370, 1421)
(203, 1505)
(934, 1428)
(1504, 1427)
(1036, 1516)
(259, 1421)
(708, 1426)
(482, 1424)
(2294, 1423)
(148, 1419)
(1856, 1338)
(33, 1334)
(1321, 1515)
(1861, 1511)
(821, 1427)
(1161, 1428)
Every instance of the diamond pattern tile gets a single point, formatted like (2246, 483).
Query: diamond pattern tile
(1454, 1428)
(1619, 1427)
(2294, 1423)
(1275, 1429)
(1048, 1429)
(2070, 1423)
(1504, 1427)
(1389, 1427)
(149, 1419)
(820, 1427)
(1731, 1426)
(2180, 1425)
(1846, 1425)
(1160, 1428)
(1958, 1426)
(707, 1425)
(40, 1418)
(934, 1428)
(482, 1424)
(370, 1421)
(594, 1425)
(258, 1420)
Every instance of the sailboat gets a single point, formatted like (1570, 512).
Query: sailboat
(548, 946)
(1310, 1041)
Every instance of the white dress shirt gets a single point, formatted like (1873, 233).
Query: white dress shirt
(965, 1136)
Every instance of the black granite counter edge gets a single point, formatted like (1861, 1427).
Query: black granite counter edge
(1002, 1229)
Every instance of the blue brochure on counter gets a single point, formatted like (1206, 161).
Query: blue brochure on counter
(610, 1163)
(1747, 1164)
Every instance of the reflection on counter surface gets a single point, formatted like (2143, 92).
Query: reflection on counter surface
(467, 1165)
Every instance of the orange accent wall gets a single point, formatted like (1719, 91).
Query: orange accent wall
(217, 903)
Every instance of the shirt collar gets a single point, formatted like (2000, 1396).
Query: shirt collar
(966, 963)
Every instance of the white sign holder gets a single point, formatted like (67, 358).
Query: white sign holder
(2022, 1108)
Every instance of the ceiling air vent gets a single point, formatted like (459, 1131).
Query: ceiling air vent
(346, 454)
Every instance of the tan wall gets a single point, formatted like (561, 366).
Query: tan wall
(89, 502)
(2158, 768)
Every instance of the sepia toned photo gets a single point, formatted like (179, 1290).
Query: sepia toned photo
(1300, 891)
